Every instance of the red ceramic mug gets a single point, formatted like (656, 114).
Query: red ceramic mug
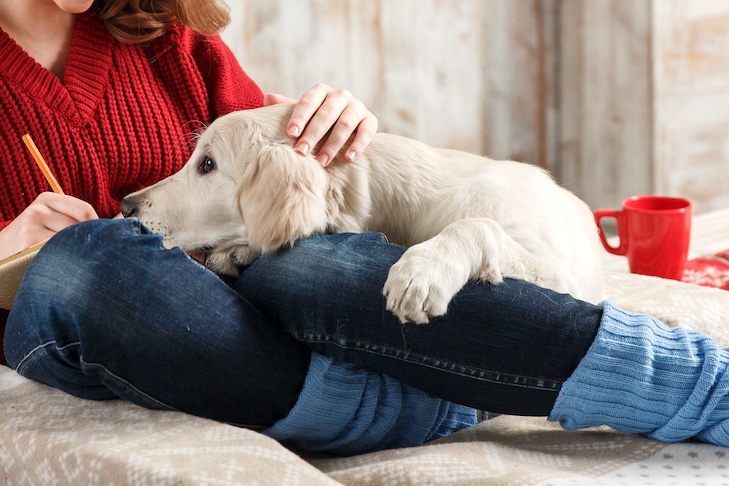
(654, 233)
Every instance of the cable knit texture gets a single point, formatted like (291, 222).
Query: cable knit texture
(345, 410)
(640, 376)
(92, 126)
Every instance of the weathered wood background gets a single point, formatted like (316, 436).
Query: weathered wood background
(614, 97)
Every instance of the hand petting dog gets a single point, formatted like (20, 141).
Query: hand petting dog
(323, 110)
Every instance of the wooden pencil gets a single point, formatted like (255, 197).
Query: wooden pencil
(42, 164)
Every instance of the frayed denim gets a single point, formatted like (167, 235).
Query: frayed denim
(104, 311)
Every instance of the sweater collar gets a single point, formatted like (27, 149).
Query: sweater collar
(85, 76)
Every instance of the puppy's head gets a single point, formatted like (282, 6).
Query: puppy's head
(243, 191)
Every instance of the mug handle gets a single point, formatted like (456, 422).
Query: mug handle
(621, 249)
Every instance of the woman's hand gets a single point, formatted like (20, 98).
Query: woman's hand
(321, 109)
(45, 217)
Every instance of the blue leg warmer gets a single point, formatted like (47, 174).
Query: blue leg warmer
(640, 376)
(346, 410)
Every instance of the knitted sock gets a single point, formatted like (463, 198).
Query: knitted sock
(640, 376)
(347, 410)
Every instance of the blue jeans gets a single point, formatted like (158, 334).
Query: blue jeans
(505, 348)
(158, 329)
(122, 317)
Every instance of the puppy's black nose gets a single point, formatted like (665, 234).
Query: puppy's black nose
(129, 207)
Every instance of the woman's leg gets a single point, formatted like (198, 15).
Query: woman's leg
(512, 347)
(505, 348)
(642, 377)
(104, 311)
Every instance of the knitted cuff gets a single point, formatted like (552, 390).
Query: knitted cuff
(347, 410)
(640, 376)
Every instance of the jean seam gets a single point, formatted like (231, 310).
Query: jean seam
(30, 356)
(125, 383)
(491, 376)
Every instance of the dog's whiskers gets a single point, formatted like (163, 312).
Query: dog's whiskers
(190, 138)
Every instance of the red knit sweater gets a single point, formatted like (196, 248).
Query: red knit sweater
(120, 119)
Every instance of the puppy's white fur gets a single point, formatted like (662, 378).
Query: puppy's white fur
(462, 216)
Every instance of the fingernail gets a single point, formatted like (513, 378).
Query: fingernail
(294, 131)
(303, 148)
(323, 159)
(351, 155)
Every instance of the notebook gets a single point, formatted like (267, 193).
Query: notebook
(11, 273)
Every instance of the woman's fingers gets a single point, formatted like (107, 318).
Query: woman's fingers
(335, 115)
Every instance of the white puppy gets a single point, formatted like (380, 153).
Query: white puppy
(245, 191)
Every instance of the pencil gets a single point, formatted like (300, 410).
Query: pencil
(42, 164)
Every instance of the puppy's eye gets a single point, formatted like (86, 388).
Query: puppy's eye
(207, 165)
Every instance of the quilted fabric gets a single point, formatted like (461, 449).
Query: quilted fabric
(50, 438)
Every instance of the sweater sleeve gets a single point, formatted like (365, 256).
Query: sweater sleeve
(228, 85)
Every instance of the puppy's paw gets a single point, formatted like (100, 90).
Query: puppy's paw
(421, 285)
(228, 261)
(222, 263)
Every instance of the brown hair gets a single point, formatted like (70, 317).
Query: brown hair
(137, 21)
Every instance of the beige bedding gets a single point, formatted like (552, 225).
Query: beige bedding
(48, 437)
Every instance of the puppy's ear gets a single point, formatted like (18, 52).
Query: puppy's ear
(285, 199)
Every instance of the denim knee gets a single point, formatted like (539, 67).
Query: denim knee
(324, 262)
(61, 279)
(354, 251)
(128, 315)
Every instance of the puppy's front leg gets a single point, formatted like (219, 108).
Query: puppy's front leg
(424, 280)
(422, 283)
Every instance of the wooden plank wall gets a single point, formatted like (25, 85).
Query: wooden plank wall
(605, 108)
(691, 85)
(466, 74)
(615, 97)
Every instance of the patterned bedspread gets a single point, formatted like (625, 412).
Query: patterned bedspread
(50, 438)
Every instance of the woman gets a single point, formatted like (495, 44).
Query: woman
(111, 91)
(119, 317)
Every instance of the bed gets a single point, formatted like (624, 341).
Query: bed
(50, 438)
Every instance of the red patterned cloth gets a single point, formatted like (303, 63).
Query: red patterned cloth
(710, 271)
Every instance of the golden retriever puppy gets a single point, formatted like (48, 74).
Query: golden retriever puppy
(245, 191)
